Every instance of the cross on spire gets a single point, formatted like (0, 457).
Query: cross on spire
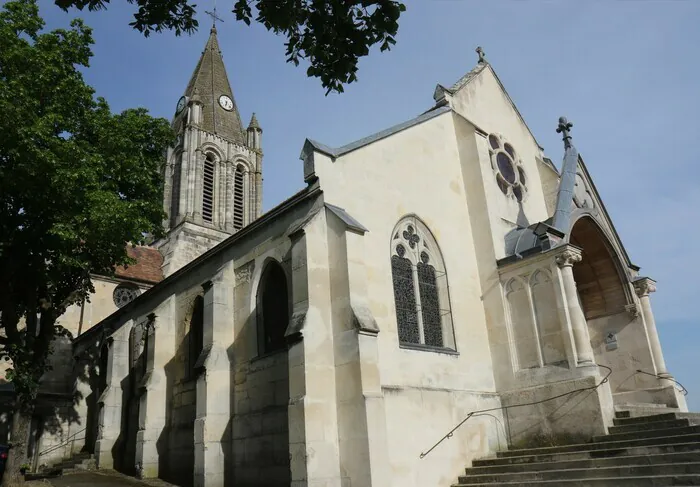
(564, 128)
(214, 16)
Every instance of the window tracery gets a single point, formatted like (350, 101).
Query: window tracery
(420, 287)
(508, 167)
(125, 293)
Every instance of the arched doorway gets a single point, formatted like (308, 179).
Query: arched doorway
(598, 276)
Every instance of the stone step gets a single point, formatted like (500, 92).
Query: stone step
(640, 410)
(604, 445)
(587, 473)
(652, 433)
(654, 425)
(655, 481)
(579, 463)
(590, 454)
(693, 417)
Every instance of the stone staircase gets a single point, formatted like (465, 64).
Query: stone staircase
(641, 449)
(79, 461)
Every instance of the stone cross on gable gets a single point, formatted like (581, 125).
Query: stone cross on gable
(482, 55)
(564, 128)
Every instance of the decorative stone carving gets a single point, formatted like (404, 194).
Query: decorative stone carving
(644, 286)
(568, 258)
(633, 310)
(244, 273)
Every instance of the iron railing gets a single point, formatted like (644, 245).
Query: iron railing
(682, 389)
(502, 408)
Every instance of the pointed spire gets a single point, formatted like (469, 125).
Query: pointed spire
(254, 123)
(562, 214)
(210, 82)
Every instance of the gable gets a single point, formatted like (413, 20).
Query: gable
(480, 97)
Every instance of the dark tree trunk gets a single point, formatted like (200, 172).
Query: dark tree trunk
(17, 456)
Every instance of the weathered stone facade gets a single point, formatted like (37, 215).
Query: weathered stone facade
(335, 339)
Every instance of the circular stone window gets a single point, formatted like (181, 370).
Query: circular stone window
(124, 294)
(508, 168)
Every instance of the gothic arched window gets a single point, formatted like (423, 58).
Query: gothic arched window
(273, 309)
(208, 189)
(196, 334)
(421, 293)
(238, 198)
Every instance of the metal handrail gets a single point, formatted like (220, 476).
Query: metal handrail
(62, 444)
(473, 413)
(683, 390)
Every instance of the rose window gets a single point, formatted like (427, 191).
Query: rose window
(124, 294)
(510, 175)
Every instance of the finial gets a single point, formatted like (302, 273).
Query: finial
(482, 55)
(214, 18)
(564, 128)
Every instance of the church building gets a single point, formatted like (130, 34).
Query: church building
(335, 339)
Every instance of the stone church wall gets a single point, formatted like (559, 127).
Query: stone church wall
(260, 434)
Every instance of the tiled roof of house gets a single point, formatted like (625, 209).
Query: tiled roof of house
(147, 267)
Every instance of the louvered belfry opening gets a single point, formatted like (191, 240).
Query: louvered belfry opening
(208, 190)
(238, 206)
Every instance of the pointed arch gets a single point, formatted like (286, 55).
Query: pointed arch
(273, 305)
(175, 188)
(421, 291)
(601, 281)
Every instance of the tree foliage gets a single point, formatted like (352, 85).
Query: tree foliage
(76, 184)
(332, 35)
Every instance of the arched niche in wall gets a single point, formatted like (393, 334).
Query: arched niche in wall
(522, 326)
(544, 302)
(272, 305)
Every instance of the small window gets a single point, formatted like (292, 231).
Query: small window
(124, 294)
(421, 293)
(273, 309)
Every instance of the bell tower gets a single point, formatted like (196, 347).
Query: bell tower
(213, 174)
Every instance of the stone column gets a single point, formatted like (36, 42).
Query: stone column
(579, 328)
(313, 431)
(155, 402)
(110, 401)
(643, 287)
(211, 428)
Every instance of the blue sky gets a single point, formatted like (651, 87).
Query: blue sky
(624, 72)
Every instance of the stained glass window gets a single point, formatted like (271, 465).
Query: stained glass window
(420, 287)
(505, 166)
(273, 309)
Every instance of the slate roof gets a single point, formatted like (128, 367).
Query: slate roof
(209, 80)
(147, 268)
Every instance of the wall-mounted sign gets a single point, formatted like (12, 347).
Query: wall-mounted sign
(611, 341)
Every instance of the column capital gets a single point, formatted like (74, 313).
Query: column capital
(568, 257)
(644, 285)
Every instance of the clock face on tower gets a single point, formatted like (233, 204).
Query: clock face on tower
(180, 105)
(226, 103)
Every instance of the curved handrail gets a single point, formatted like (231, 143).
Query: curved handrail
(684, 391)
(476, 413)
